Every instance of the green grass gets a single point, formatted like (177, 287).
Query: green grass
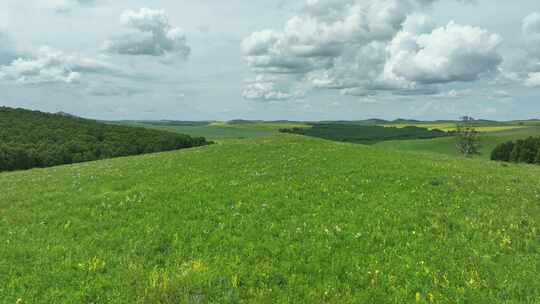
(489, 140)
(270, 126)
(280, 219)
(211, 132)
(222, 131)
(453, 127)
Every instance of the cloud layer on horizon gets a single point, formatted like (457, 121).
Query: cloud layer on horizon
(51, 66)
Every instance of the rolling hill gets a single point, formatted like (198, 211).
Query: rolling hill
(276, 219)
(488, 140)
(30, 139)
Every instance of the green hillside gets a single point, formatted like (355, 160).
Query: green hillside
(280, 219)
(34, 139)
(489, 140)
(214, 131)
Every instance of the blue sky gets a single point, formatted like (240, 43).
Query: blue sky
(272, 59)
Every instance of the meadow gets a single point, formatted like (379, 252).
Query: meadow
(275, 219)
(488, 140)
(220, 131)
(452, 126)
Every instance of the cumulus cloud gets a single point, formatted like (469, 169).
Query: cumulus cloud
(151, 34)
(533, 80)
(530, 64)
(268, 88)
(49, 66)
(480, 94)
(364, 47)
(446, 54)
(531, 25)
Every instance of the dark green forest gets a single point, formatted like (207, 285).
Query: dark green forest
(520, 151)
(30, 139)
(362, 134)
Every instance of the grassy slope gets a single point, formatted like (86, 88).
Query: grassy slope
(210, 132)
(221, 131)
(270, 126)
(279, 219)
(452, 127)
(447, 145)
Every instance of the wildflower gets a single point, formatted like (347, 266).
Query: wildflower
(95, 264)
(197, 265)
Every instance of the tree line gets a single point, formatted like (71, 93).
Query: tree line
(30, 139)
(520, 151)
(364, 134)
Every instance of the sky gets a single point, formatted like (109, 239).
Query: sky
(272, 59)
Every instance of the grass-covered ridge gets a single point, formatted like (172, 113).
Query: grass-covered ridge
(272, 220)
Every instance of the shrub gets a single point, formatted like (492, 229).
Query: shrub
(502, 152)
(363, 134)
(521, 151)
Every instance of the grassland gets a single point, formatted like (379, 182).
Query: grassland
(277, 219)
(221, 131)
(210, 131)
(270, 126)
(488, 140)
(452, 126)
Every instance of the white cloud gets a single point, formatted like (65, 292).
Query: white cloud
(531, 25)
(485, 94)
(364, 47)
(533, 80)
(269, 88)
(51, 65)
(151, 35)
(447, 54)
(529, 67)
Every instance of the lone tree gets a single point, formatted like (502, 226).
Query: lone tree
(468, 138)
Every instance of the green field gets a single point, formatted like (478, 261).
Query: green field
(216, 132)
(279, 219)
(453, 126)
(270, 126)
(447, 145)
(220, 131)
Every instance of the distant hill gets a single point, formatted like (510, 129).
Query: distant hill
(364, 134)
(66, 114)
(173, 122)
(31, 139)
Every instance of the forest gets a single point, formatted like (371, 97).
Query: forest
(30, 139)
(365, 134)
(520, 151)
